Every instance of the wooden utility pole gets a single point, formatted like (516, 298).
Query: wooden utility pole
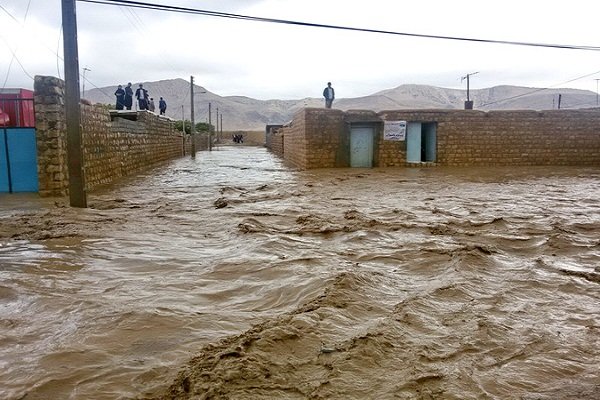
(192, 130)
(77, 194)
(217, 124)
(209, 127)
(221, 126)
(468, 103)
(183, 128)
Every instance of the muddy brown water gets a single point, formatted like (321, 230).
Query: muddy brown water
(234, 277)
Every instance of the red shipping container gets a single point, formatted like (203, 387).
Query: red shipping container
(16, 108)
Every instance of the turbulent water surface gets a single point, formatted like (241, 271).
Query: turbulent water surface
(231, 276)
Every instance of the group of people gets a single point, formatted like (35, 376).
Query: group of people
(239, 138)
(125, 99)
(145, 102)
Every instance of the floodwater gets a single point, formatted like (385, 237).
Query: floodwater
(233, 277)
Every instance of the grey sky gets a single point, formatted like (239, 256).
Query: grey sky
(265, 61)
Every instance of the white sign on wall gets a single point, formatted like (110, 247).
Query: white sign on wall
(394, 130)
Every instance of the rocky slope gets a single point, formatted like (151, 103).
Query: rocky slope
(245, 113)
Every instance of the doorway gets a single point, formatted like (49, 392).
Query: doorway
(361, 146)
(421, 142)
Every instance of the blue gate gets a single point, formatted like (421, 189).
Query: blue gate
(18, 160)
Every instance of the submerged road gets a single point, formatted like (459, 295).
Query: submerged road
(449, 283)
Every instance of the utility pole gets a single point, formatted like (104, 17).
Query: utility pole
(559, 100)
(192, 135)
(221, 126)
(209, 127)
(183, 128)
(77, 195)
(217, 124)
(468, 103)
(83, 83)
(597, 79)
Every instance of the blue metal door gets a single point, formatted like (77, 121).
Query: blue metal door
(18, 162)
(361, 147)
(413, 142)
(4, 181)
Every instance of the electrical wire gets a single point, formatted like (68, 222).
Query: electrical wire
(185, 10)
(14, 53)
(159, 7)
(540, 89)
(587, 104)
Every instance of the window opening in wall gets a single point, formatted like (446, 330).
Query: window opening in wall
(421, 142)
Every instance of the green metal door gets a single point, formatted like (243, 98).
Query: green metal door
(361, 146)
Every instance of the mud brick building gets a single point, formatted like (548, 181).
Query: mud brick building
(114, 145)
(328, 138)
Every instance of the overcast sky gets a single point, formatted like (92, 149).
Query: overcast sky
(272, 61)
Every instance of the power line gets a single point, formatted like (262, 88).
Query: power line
(58, 57)
(540, 89)
(14, 53)
(185, 10)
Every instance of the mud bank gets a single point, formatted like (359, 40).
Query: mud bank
(234, 277)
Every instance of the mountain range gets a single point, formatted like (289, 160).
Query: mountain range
(245, 113)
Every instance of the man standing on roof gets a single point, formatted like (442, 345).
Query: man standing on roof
(128, 96)
(162, 106)
(329, 95)
(141, 95)
(120, 95)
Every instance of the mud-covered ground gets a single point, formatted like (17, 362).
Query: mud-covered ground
(233, 277)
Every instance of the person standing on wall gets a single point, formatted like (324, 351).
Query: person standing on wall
(120, 94)
(162, 106)
(329, 95)
(128, 96)
(151, 105)
(141, 95)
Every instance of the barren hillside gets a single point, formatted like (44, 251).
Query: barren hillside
(245, 113)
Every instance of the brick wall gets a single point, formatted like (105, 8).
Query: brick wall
(313, 138)
(201, 142)
(252, 138)
(275, 141)
(50, 133)
(111, 149)
(319, 138)
(553, 137)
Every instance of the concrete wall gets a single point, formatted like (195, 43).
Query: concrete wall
(111, 149)
(319, 138)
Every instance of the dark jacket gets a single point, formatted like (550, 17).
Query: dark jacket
(128, 96)
(141, 93)
(120, 93)
(332, 93)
